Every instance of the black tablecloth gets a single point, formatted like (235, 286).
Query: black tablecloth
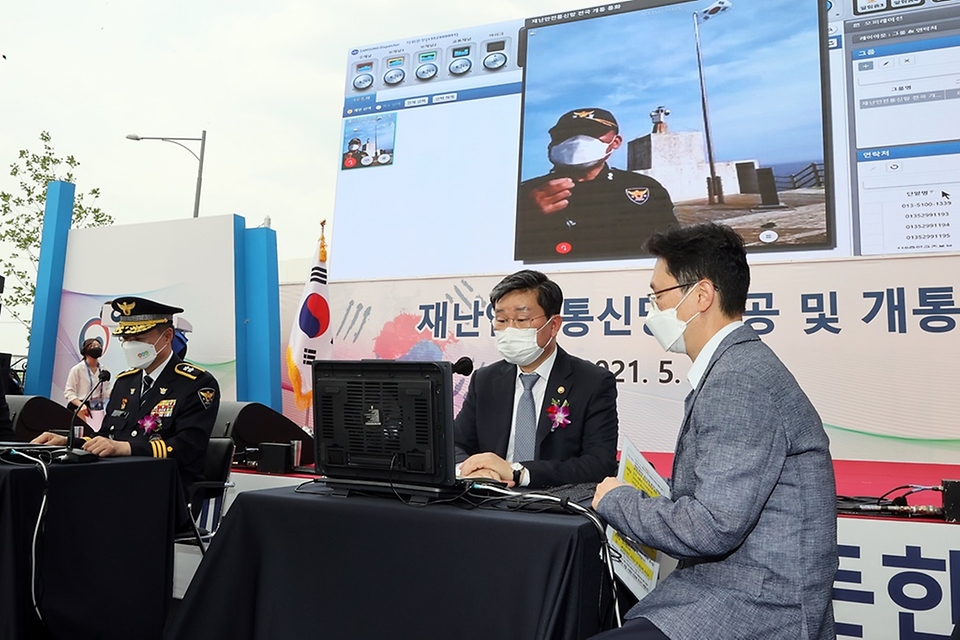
(105, 556)
(289, 565)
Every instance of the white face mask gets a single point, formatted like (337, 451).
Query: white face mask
(519, 346)
(139, 355)
(578, 152)
(667, 328)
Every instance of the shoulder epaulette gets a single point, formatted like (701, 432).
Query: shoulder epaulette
(188, 370)
(127, 372)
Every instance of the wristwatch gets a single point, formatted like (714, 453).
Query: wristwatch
(517, 473)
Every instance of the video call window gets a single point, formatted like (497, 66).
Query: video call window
(614, 142)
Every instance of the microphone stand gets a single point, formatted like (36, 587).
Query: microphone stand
(79, 455)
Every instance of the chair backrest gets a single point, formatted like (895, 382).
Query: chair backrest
(206, 500)
(32, 415)
(218, 460)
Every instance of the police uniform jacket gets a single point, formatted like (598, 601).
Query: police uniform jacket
(184, 401)
(608, 217)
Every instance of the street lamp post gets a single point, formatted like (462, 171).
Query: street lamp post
(179, 142)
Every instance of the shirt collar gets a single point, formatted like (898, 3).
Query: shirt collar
(163, 365)
(700, 364)
(545, 367)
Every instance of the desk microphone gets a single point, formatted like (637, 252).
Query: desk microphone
(79, 455)
(463, 366)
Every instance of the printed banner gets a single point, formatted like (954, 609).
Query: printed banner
(873, 342)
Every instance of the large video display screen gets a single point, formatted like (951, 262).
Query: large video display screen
(816, 130)
(630, 115)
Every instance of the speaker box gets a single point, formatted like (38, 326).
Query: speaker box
(951, 500)
(32, 415)
(275, 457)
(251, 423)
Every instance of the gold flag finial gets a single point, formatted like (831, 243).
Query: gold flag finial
(323, 241)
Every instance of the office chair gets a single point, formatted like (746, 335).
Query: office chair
(205, 498)
(32, 415)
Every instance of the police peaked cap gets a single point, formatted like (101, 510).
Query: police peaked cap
(591, 121)
(136, 315)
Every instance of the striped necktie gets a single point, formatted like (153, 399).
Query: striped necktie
(525, 440)
(147, 384)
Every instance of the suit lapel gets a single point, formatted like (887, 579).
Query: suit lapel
(153, 396)
(504, 386)
(738, 335)
(559, 375)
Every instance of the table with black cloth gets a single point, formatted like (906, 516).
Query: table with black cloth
(105, 551)
(295, 565)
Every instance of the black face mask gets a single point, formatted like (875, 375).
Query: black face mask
(95, 352)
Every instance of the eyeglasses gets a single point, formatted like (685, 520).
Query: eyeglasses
(499, 324)
(652, 297)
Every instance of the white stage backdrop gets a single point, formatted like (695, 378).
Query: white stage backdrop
(872, 341)
(194, 270)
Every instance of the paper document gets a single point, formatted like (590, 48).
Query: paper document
(639, 565)
(96, 419)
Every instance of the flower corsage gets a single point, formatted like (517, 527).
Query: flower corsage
(150, 424)
(559, 414)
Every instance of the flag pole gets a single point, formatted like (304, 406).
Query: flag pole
(713, 190)
(323, 241)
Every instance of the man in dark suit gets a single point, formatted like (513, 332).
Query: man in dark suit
(540, 417)
(161, 407)
(752, 514)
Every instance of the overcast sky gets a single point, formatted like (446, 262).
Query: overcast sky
(264, 79)
(761, 66)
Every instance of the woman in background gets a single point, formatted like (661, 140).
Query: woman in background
(82, 378)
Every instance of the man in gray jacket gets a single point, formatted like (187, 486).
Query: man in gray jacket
(752, 516)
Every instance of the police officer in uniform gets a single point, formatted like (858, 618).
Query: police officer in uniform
(584, 209)
(354, 155)
(161, 407)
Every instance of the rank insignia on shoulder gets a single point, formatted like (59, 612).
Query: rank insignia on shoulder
(207, 396)
(188, 370)
(127, 372)
(638, 195)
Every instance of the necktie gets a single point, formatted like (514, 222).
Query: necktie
(147, 383)
(525, 441)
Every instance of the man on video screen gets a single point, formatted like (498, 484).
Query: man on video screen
(584, 209)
